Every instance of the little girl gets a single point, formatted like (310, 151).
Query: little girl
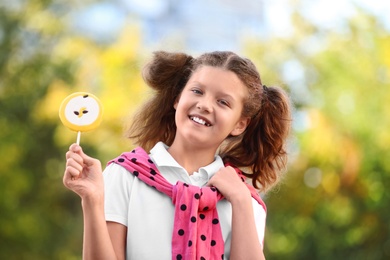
(183, 195)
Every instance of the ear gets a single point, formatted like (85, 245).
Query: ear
(240, 126)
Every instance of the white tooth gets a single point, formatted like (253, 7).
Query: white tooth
(198, 120)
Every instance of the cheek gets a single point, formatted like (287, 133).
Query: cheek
(182, 103)
(230, 119)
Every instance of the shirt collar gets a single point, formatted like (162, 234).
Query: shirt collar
(162, 158)
(213, 167)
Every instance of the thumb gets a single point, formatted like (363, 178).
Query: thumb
(87, 160)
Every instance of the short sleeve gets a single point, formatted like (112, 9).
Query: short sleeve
(117, 186)
(260, 219)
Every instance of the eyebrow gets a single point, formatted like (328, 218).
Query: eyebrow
(223, 94)
(227, 96)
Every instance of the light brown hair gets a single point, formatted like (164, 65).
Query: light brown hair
(260, 150)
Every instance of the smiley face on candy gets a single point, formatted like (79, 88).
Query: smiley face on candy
(81, 112)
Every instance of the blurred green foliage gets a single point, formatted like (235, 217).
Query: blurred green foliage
(38, 218)
(333, 201)
(40, 64)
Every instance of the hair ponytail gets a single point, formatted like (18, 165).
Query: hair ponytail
(167, 74)
(262, 146)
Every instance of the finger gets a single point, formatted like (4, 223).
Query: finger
(213, 182)
(77, 153)
(89, 161)
(75, 148)
(76, 164)
(216, 177)
(70, 175)
(71, 156)
(72, 172)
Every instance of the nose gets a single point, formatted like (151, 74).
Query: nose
(205, 104)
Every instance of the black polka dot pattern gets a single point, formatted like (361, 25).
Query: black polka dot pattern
(204, 215)
(195, 208)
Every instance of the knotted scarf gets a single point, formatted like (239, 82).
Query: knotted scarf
(197, 233)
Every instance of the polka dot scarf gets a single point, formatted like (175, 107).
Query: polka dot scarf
(196, 233)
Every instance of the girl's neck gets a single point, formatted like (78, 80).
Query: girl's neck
(191, 158)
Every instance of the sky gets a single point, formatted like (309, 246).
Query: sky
(105, 19)
(325, 13)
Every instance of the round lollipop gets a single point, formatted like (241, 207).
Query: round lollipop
(81, 112)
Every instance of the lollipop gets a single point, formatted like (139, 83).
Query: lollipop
(81, 112)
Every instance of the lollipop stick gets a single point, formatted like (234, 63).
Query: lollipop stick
(78, 137)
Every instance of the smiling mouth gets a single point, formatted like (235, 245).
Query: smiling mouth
(199, 121)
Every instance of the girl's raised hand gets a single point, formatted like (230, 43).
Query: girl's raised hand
(227, 181)
(83, 174)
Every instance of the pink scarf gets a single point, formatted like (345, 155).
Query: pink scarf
(196, 233)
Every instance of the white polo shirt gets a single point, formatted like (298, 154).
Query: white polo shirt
(149, 214)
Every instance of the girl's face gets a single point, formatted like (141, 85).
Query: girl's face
(209, 108)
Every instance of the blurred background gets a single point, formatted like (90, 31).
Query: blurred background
(333, 57)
